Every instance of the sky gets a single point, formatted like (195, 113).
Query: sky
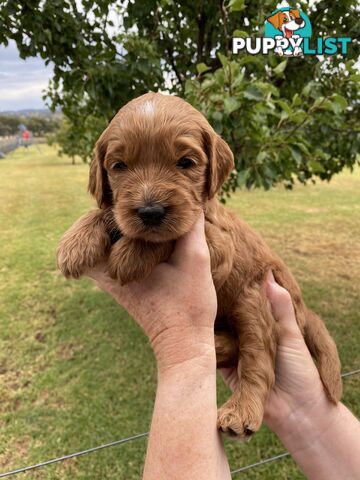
(21, 81)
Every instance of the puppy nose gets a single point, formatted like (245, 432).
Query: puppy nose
(299, 21)
(151, 214)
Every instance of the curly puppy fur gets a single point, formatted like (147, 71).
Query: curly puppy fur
(159, 151)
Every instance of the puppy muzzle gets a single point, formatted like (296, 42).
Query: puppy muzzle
(151, 214)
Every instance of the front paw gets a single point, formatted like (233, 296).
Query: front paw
(239, 420)
(83, 246)
(134, 260)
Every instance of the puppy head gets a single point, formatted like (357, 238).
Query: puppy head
(156, 165)
(287, 21)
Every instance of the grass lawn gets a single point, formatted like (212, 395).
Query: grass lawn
(76, 371)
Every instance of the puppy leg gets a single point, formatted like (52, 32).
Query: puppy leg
(227, 349)
(222, 259)
(323, 349)
(242, 414)
(134, 260)
(84, 245)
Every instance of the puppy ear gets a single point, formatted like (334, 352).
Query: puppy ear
(275, 20)
(98, 181)
(295, 12)
(221, 162)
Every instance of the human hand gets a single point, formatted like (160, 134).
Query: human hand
(298, 387)
(176, 305)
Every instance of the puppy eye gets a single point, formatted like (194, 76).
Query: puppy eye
(119, 166)
(285, 20)
(185, 162)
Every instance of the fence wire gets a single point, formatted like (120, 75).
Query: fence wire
(260, 462)
(136, 437)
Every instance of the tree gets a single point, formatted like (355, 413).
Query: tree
(9, 125)
(284, 119)
(38, 125)
(72, 138)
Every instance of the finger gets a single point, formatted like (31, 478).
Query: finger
(281, 305)
(103, 281)
(96, 272)
(191, 249)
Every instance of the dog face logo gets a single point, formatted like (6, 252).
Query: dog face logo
(287, 21)
(288, 26)
(156, 165)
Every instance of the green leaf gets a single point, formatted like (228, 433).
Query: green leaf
(223, 59)
(340, 100)
(355, 77)
(296, 101)
(231, 104)
(201, 68)
(280, 68)
(316, 167)
(296, 155)
(238, 79)
(331, 106)
(237, 5)
(253, 93)
(319, 101)
(260, 157)
(310, 88)
(298, 116)
(284, 105)
(303, 148)
(217, 116)
(244, 60)
(240, 33)
(242, 177)
(284, 115)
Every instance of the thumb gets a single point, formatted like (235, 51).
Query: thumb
(191, 249)
(281, 306)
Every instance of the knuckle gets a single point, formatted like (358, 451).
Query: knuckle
(202, 256)
(284, 296)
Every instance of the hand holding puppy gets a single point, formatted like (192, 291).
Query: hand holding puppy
(297, 410)
(176, 305)
(158, 164)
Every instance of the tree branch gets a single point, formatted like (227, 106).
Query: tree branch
(201, 22)
(170, 53)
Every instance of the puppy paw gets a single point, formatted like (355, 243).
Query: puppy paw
(125, 265)
(83, 246)
(238, 423)
(134, 260)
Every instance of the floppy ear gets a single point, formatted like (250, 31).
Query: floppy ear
(275, 20)
(98, 182)
(221, 162)
(295, 12)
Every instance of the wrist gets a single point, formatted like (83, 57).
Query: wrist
(303, 428)
(180, 346)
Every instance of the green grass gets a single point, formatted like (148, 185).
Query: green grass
(76, 371)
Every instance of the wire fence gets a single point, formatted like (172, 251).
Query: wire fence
(8, 145)
(137, 437)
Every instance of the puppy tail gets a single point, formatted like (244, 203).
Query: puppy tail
(323, 349)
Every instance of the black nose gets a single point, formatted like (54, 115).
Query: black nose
(151, 215)
(299, 21)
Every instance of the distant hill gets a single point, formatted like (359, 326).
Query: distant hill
(30, 112)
